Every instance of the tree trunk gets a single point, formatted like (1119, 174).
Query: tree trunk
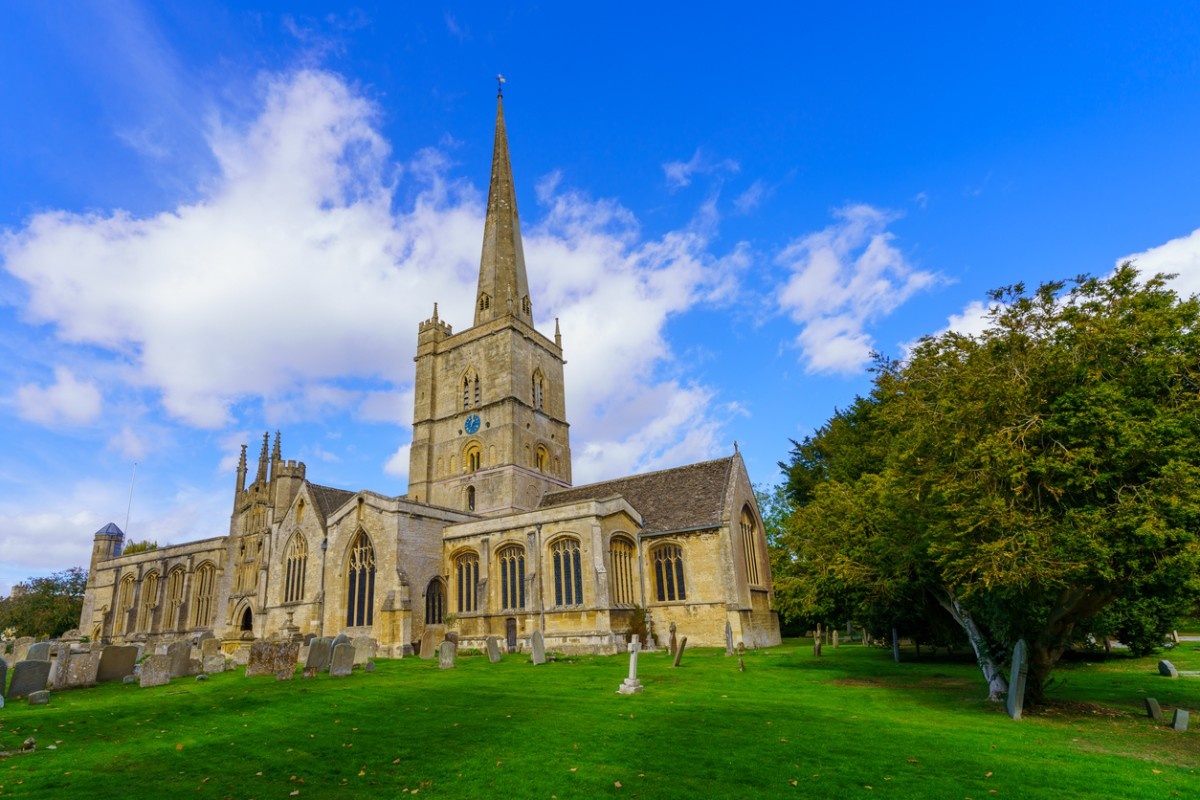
(997, 685)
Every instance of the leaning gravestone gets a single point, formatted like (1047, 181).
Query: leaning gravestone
(38, 651)
(493, 649)
(180, 654)
(273, 658)
(1167, 669)
(27, 677)
(154, 670)
(447, 650)
(320, 651)
(538, 647)
(343, 660)
(728, 639)
(43, 698)
(672, 643)
(679, 652)
(80, 670)
(1016, 680)
(364, 649)
(116, 661)
(1153, 710)
(428, 644)
(1180, 720)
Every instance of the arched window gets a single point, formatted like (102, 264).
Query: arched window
(360, 582)
(485, 301)
(543, 458)
(568, 573)
(470, 498)
(124, 605)
(435, 602)
(295, 564)
(149, 602)
(539, 390)
(512, 577)
(174, 599)
(668, 573)
(466, 573)
(750, 546)
(473, 457)
(202, 608)
(471, 389)
(621, 571)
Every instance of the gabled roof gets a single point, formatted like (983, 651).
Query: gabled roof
(682, 498)
(328, 499)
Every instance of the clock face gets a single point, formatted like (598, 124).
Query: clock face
(472, 423)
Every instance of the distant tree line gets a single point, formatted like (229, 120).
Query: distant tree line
(44, 607)
(1039, 480)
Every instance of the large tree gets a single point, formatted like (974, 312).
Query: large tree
(45, 607)
(1026, 478)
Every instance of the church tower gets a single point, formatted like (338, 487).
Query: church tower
(490, 434)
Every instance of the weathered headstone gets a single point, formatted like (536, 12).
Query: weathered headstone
(1167, 669)
(43, 698)
(28, 676)
(672, 644)
(1153, 710)
(679, 652)
(320, 652)
(154, 670)
(240, 656)
(364, 649)
(817, 646)
(180, 653)
(1015, 702)
(631, 685)
(342, 663)
(116, 661)
(273, 658)
(79, 670)
(341, 638)
(835, 640)
(493, 649)
(39, 651)
(1179, 721)
(538, 645)
(728, 638)
(447, 650)
(209, 647)
(428, 644)
(20, 649)
(211, 665)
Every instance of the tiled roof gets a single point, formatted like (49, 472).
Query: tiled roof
(692, 496)
(328, 499)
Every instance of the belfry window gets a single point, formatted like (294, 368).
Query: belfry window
(360, 582)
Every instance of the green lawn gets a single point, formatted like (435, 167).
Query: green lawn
(849, 724)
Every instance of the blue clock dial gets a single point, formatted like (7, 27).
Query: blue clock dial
(472, 423)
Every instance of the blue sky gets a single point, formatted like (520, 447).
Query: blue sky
(222, 219)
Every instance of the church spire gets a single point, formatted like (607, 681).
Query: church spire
(503, 286)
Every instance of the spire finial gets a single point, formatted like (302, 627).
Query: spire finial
(500, 86)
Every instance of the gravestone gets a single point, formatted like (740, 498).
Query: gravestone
(211, 665)
(428, 644)
(341, 638)
(1167, 669)
(538, 645)
(679, 652)
(180, 654)
(1015, 701)
(364, 649)
(632, 685)
(342, 663)
(308, 638)
(835, 640)
(273, 658)
(154, 670)
(493, 649)
(369, 666)
(21, 649)
(80, 670)
(1179, 720)
(240, 656)
(209, 647)
(42, 698)
(1153, 711)
(447, 650)
(728, 638)
(672, 644)
(38, 651)
(320, 652)
(27, 677)
(3, 676)
(116, 661)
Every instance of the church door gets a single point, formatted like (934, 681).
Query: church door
(510, 634)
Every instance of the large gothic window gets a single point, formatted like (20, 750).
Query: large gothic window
(205, 581)
(622, 569)
(568, 572)
(124, 604)
(294, 566)
(466, 573)
(149, 602)
(435, 602)
(512, 577)
(360, 582)
(174, 598)
(668, 573)
(750, 546)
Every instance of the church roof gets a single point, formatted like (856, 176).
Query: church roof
(681, 498)
(328, 499)
(110, 529)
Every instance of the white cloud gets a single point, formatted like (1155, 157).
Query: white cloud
(679, 173)
(66, 401)
(842, 279)
(749, 200)
(1179, 256)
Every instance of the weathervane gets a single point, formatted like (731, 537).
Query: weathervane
(499, 86)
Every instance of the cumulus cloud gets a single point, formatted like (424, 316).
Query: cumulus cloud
(1180, 257)
(66, 401)
(841, 279)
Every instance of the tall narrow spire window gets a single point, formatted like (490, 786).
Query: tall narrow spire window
(539, 390)
(750, 547)
(174, 599)
(360, 582)
(295, 565)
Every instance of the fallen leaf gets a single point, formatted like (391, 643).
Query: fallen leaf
(617, 784)
(794, 782)
(783, 740)
(293, 794)
(396, 761)
(574, 768)
(987, 775)
(913, 761)
(179, 746)
(1157, 771)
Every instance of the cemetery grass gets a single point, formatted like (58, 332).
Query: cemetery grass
(850, 723)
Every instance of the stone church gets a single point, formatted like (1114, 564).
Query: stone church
(491, 539)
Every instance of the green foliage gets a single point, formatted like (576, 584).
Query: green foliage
(139, 547)
(1036, 474)
(45, 607)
